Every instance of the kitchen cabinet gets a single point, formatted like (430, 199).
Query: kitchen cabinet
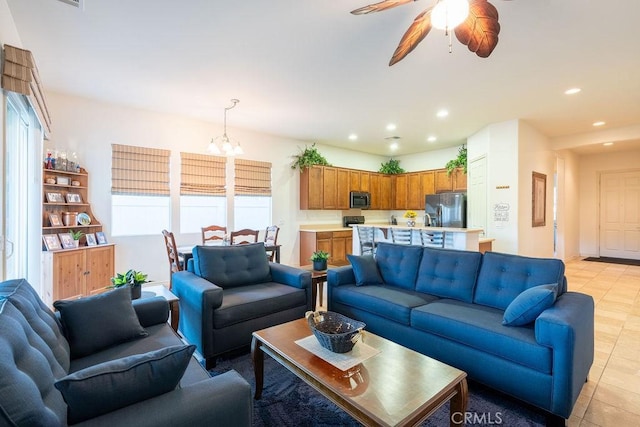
(329, 188)
(364, 181)
(343, 185)
(374, 190)
(444, 181)
(354, 180)
(74, 273)
(415, 194)
(459, 180)
(311, 188)
(337, 243)
(399, 185)
(386, 202)
(428, 183)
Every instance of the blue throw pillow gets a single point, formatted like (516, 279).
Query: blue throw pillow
(99, 321)
(527, 306)
(365, 269)
(108, 386)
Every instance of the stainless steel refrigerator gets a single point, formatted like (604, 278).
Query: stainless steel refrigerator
(446, 210)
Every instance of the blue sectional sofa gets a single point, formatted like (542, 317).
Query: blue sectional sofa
(452, 305)
(103, 361)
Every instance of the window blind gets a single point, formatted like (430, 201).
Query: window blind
(203, 175)
(139, 170)
(20, 75)
(252, 178)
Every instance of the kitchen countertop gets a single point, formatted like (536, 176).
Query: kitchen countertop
(417, 227)
(315, 228)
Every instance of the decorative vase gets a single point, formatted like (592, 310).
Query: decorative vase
(76, 243)
(320, 265)
(411, 223)
(136, 291)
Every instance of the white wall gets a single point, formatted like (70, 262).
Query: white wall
(590, 168)
(568, 206)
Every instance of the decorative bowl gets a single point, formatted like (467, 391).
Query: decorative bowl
(334, 331)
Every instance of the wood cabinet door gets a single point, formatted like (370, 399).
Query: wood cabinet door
(415, 195)
(341, 246)
(374, 189)
(100, 267)
(324, 242)
(385, 192)
(354, 180)
(399, 185)
(364, 181)
(311, 188)
(69, 276)
(428, 182)
(343, 184)
(459, 180)
(329, 188)
(443, 181)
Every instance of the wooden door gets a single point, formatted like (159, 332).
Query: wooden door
(69, 276)
(443, 181)
(343, 184)
(415, 195)
(620, 215)
(100, 267)
(374, 189)
(329, 188)
(399, 185)
(385, 192)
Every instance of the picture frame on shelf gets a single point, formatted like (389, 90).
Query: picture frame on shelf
(62, 180)
(66, 240)
(91, 239)
(74, 198)
(54, 220)
(101, 238)
(51, 242)
(53, 197)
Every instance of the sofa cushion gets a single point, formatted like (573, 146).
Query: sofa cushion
(448, 273)
(365, 270)
(229, 266)
(255, 301)
(398, 264)
(480, 327)
(527, 306)
(385, 301)
(503, 277)
(99, 321)
(108, 386)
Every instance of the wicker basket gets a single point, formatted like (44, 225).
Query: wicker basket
(334, 331)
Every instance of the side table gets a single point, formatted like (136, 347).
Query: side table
(318, 278)
(172, 299)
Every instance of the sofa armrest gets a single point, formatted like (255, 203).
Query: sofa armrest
(195, 291)
(224, 400)
(291, 276)
(568, 328)
(151, 311)
(340, 276)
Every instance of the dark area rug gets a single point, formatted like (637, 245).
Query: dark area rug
(289, 401)
(614, 260)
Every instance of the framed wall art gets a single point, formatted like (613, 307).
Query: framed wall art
(55, 198)
(539, 200)
(51, 242)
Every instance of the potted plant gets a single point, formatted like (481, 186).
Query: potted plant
(392, 167)
(411, 218)
(319, 259)
(76, 235)
(132, 278)
(458, 162)
(309, 157)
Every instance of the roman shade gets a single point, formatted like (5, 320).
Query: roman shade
(20, 75)
(202, 175)
(253, 178)
(139, 170)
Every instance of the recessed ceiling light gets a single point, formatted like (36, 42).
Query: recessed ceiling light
(608, 144)
(391, 126)
(353, 137)
(432, 138)
(393, 146)
(572, 91)
(442, 114)
(599, 123)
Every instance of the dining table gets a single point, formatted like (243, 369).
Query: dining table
(186, 252)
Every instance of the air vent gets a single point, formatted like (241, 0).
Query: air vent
(393, 138)
(76, 3)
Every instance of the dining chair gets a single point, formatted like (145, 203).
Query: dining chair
(367, 240)
(175, 262)
(434, 239)
(213, 234)
(401, 236)
(271, 239)
(245, 235)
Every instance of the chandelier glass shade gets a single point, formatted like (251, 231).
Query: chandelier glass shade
(448, 14)
(222, 144)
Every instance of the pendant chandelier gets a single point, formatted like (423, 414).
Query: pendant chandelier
(222, 144)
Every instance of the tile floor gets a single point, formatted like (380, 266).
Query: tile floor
(611, 397)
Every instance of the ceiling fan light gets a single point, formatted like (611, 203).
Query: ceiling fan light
(448, 14)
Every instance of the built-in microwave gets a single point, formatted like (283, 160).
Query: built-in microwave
(360, 200)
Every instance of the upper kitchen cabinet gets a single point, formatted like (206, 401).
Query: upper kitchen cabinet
(428, 183)
(459, 180)
(415, 193)
(386, 192)
(443, 181)
(343, 187)
(400, 187)
(311, 188)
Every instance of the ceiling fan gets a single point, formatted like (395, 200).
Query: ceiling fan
(478, 30)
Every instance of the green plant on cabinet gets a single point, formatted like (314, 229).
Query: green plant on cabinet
(458, 162)
(392, 167)
(308, 157)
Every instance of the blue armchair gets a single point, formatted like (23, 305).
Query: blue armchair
(228, 292)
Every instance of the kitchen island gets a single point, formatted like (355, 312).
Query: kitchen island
(454, 238)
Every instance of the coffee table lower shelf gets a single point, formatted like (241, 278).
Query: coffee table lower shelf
(397, 387)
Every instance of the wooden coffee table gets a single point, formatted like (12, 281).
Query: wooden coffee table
(396, 387)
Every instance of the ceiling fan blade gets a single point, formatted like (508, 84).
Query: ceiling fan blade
(379, 7)
(479, 32)
(414, 35)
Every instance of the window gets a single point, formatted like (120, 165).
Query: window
(140, 202)
(203, 198)
(252, 201)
